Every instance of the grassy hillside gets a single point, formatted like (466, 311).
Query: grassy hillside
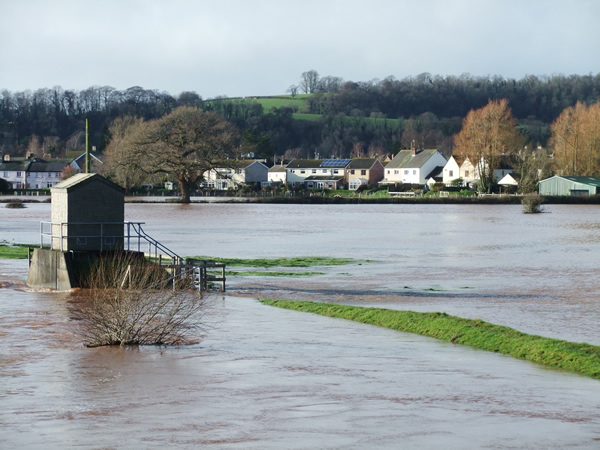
(279, 101)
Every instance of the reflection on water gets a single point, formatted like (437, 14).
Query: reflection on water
(270, 378)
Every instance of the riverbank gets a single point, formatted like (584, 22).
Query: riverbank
(491, 199)
(574, 357)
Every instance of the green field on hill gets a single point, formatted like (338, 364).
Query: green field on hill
(280, 101)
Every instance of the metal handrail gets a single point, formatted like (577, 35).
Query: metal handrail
(133, 231)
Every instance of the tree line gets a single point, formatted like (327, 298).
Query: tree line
(428, 108)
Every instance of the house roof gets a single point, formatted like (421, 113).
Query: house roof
(54, 165)
(362, 163)
(21, 164)
(592, 181)
(82, 179)
(436, 173)
(405, 159)
(80, 160)
(305, 163)
(277, 168)
(510, 179)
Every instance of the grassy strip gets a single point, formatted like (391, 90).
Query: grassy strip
(14, 251)
(280, 262)
(274, 274)
(580, 358)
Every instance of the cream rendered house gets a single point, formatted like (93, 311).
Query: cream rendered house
(458, 167)
(412, 166)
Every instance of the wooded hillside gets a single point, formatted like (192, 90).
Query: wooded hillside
(334, 119)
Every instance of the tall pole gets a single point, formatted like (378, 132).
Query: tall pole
(87, 146)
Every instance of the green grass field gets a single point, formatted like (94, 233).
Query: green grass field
(14, 251)
(299, 102)
(574, 357)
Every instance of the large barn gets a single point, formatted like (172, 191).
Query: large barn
(573, 186)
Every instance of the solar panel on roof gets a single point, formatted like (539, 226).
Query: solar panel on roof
(335, 163)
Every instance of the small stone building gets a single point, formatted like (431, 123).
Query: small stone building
(88, 212)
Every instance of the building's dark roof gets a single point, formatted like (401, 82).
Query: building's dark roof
(436, 173)
(54, 165)
(405, 159)
(305, 164)
(362, 163)
(14, 164)
(277, 168)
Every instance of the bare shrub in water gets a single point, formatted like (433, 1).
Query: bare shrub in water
(129, 303)
(532, 204)
(14, 204)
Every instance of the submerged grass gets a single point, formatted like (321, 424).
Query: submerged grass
(280, 262)
(274, 274)
(575, 357)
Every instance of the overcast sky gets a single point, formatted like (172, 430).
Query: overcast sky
(260, 47)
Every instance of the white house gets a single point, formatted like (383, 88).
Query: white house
(277, 174)
(323, 173)
(238, 173)
(412, 166)
(32, 173)
(456, 168)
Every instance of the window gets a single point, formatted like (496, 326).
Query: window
(18, 174)
(406, 171)
(396, 172)
(352, 172)
(5, 174)
(389, 172)
(336, 171)
(451, 173)
(414, 171)
(303, 171)
(363, 172)
(314, 171)
(466, 173)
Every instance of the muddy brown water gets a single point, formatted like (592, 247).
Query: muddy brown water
(269, 378)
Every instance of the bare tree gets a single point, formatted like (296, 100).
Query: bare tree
(330, 84)
(309, 81)
(293, 90)
(185, 144)
(121, 156)
(128, 303)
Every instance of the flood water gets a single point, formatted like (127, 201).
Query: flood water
(269, 378)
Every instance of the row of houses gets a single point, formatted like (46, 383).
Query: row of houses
(37, 173)
(422, 167)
